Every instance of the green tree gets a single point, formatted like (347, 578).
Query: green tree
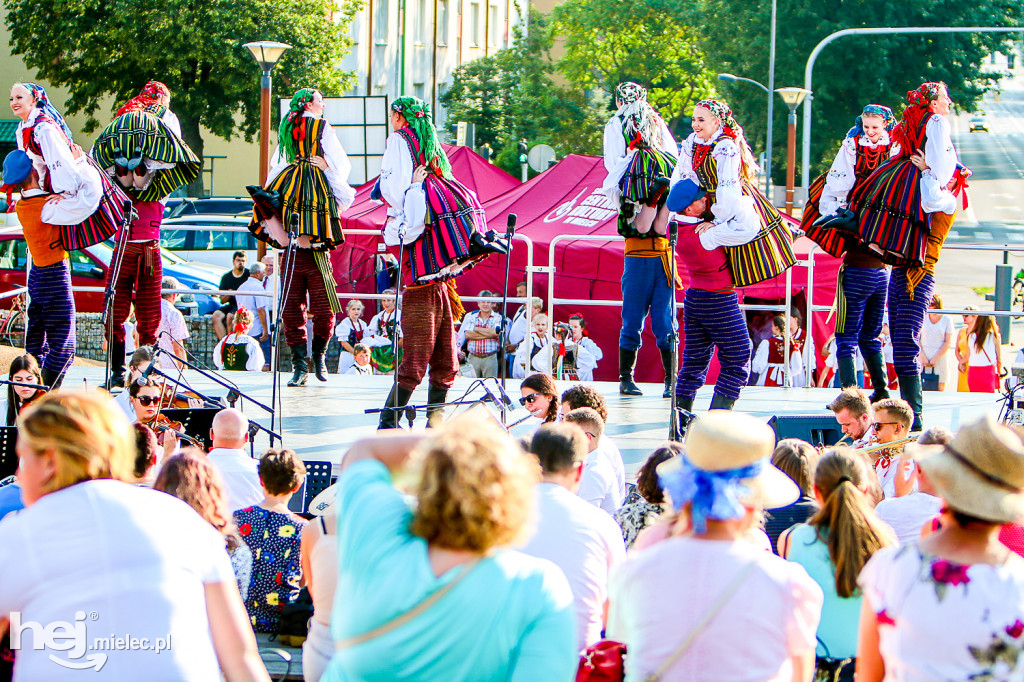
(852, 71)
(110, 48)
(645, 41)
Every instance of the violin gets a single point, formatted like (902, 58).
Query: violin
(163, 425)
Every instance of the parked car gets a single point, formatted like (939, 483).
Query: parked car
(208, 238)
(979, 123)
(89, 269)
(177, 207)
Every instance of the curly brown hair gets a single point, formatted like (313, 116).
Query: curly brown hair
(475, 491)
(192, 479)
(581, 395)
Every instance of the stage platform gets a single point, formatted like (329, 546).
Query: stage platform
(320, 420)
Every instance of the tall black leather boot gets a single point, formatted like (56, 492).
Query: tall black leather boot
(910, 390)
(682, 418)
(52, 379)
(670, 371)
(398, 399)
(875, 367)
(720, 402)
(627, 360)
(847, 371)
(318, 361)
(115, 349)
(300, 368)
(436, 396)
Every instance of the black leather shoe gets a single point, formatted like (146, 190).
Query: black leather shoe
(485, 245)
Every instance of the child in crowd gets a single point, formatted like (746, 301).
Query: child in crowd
(537, 340)
(273, 534)
(238, 351)
(578, 327)
(24, 370)
(361, 361)
(771, 360)
(349, 332)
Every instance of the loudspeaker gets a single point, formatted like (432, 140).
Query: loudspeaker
(816, 429)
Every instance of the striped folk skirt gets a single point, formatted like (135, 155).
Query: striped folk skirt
(302, 190)
(453, 215)
(770, 253)
(637, 181)
(831, 241)
(890, 220)
(104, 222)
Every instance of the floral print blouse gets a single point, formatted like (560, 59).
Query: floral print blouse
(273, 538)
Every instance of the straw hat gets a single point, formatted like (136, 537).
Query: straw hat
(981, 472)
(723, 440)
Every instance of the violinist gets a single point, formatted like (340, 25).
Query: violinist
(893, 418)
(145, 401)
(24, 370)
(141, 358)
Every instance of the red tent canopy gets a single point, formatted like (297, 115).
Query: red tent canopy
(564, 201)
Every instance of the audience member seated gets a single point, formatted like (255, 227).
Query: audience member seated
(502, 615)
(189, 477)
(146, 563)
(796, 459)
(833, 547)
(319, 559)
(649, 502)
(540, 397)
(272, 533)
(240, 472)
(853, 412)
(145, 401)
(137, 364)
(360, 361)
(580, 395)
(753, 614)
(146, 455)
(910, 513)
(892, 421)
(581, 540)
(951, 607)
(238, 351)
(24, 370)
(598, 485)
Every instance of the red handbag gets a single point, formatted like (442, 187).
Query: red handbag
(602, 662)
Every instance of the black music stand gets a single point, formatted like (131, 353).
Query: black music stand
(8, 457)
(196, 421)
(318, 479)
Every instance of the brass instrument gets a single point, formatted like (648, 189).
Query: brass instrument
(901, 443)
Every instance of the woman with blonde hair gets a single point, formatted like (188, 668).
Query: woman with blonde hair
(430, 591)
(985, 362)
(833, 547)
(145, 564)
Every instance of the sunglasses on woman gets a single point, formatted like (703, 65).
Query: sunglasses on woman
(147, 400)
(528, 399)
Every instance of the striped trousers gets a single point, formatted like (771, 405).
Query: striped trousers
(861, 306)
(712, 319)
(307, 278)
(138, 282)
(50, 335)
(906, 319)
(428, 332)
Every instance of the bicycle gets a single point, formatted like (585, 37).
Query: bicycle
(13, 322)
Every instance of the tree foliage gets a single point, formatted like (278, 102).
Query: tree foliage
(110, 48)
(851, 71)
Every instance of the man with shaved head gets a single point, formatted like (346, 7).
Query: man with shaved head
(230, 434)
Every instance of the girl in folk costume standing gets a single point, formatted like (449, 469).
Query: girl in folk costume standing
(905, 210)
(350, 331)
(382, 330)
(535, 344)
(239, 351)
(142, 151)
(580, 336)
(308, 181)
(441, 224)
(639, 153)
(863, 278)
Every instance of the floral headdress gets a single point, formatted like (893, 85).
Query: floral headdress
(640, 122)
(925, 94)
(417, 115)
(881, 111)
(292, 125)
(723, 113)
(43, 102)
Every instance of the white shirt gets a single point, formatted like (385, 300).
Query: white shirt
(940, 155)
(75, 207)
(988, 354)
(934, 335)
(607, 448)
(408, 212)
(730, 203)
(241, 477)
(357, 369)
(66, 173)
(136, 558)
(660, 594)
(524, 352)
(254, 303)
(255, 360)
(842, 175)
(598, 485)
(173, 323)
(762, 368)
(338, 166)
(518, 327)
(586, 544)
(908, 514)
(586, 363)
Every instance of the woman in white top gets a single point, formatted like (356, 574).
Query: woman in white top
(936, 341)
(349, 332)
(139, 563)
(985, 364)
(319, 556)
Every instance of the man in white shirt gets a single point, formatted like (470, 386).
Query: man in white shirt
(230, 434)
(581, 540)
(597, 485)
(581, 395)
(908, 514)
(172, 332)
(250, 295)
(853, 412)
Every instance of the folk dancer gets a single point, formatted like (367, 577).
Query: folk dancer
(309, 179)
(381, 333)
(904, 212)
(639, 154)
(143, 153)
(441, 224)
(863, 278)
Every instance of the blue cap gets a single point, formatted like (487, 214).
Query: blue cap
(684, 193)
(17, 168)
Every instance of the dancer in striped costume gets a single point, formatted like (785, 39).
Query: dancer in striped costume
(711, 312)
(308, 179)
(640, 153)
(442, 227)
(905, 210)
(142, 151)
(863, 278)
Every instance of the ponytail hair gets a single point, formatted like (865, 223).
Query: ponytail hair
(846, 522)
(292, 125)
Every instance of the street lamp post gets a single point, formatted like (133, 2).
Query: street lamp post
(729, 78)
(792, 97)
(266, 53)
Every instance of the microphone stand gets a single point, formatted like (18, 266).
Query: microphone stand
(114, 272)
(675, 432)
(394, 341)
(510, 230)
(209, 374)
(275, 354)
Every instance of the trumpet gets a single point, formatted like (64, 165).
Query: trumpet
(885, 446)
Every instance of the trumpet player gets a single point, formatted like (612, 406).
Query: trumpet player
(891, 424)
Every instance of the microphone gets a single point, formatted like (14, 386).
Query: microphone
(510, 226)
(504, 396)
(673, 229)
(294, 224)
(490, 396)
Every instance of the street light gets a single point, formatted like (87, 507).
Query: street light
(792, 97)
(729, 78)
(266, 53)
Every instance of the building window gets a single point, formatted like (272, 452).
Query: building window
(492, 39)
(474, 24)
(419, 90)
(380, 21)
(421, 23)
(442, 22)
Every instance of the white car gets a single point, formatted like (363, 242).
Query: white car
(208, 238)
